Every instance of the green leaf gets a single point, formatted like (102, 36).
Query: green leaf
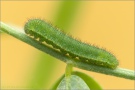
(72, 82)
(93, 85)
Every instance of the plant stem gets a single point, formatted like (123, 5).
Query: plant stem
(19, 34)
(69, 68)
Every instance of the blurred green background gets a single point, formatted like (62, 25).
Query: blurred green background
(108, 24)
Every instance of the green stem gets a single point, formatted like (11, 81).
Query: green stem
(69, 68)
(119, 72)
(68, 74)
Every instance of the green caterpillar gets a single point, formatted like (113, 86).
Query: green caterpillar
(69, 46)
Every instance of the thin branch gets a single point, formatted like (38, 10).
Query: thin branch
(19, 34)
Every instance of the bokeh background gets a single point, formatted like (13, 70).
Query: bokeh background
(108, 24)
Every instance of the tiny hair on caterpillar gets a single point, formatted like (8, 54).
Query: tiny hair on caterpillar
(86, 53)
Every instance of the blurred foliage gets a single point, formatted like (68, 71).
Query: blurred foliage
(66, 14)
